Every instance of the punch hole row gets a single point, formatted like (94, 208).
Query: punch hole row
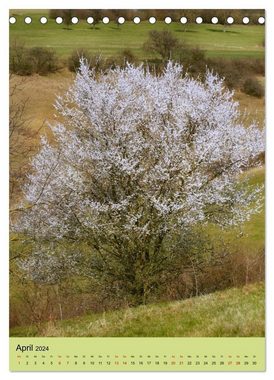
(152, 20)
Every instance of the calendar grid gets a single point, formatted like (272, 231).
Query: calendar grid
(132, 354)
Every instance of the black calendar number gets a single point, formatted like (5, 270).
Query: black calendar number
(41, 348)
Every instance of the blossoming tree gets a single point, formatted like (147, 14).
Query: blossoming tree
(136, 161)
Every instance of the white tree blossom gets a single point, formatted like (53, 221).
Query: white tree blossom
(137, 158)
(47, 265)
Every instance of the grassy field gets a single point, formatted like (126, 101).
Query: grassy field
(236, 42)
(249, 237)
(234, 312)
(254, 229)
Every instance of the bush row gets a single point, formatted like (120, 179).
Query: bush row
(238, 73)
(27, 61)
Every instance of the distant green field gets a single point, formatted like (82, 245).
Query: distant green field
(233, 312)
(238, 41)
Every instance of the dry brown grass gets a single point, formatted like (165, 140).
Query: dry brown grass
(41, 92)
(255, 107)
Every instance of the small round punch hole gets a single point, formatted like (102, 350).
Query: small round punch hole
(136, 20)
(74, 20)
(12, 20)
(121, 20)
(43, 20)
(105, 20)
(90, 20)
(59, 20)
(28, 20)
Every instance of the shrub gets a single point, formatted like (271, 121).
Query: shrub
(74, 59)
(53, 13)
(128, 56)
(163, 43)
(192, 59)
(229, 70)
(222, 270)
(236, 71)
(67, 15)
(257, 66)
(19, 59)
(113, 63)
(27, 61)
(97, 62)
(44, 60)
(253, 87)
(166, 45)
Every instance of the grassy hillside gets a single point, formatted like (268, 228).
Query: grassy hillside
(250, 237)
(233, 312)
(238, 40)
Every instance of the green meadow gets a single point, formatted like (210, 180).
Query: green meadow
(234, 312)
(236, 41)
